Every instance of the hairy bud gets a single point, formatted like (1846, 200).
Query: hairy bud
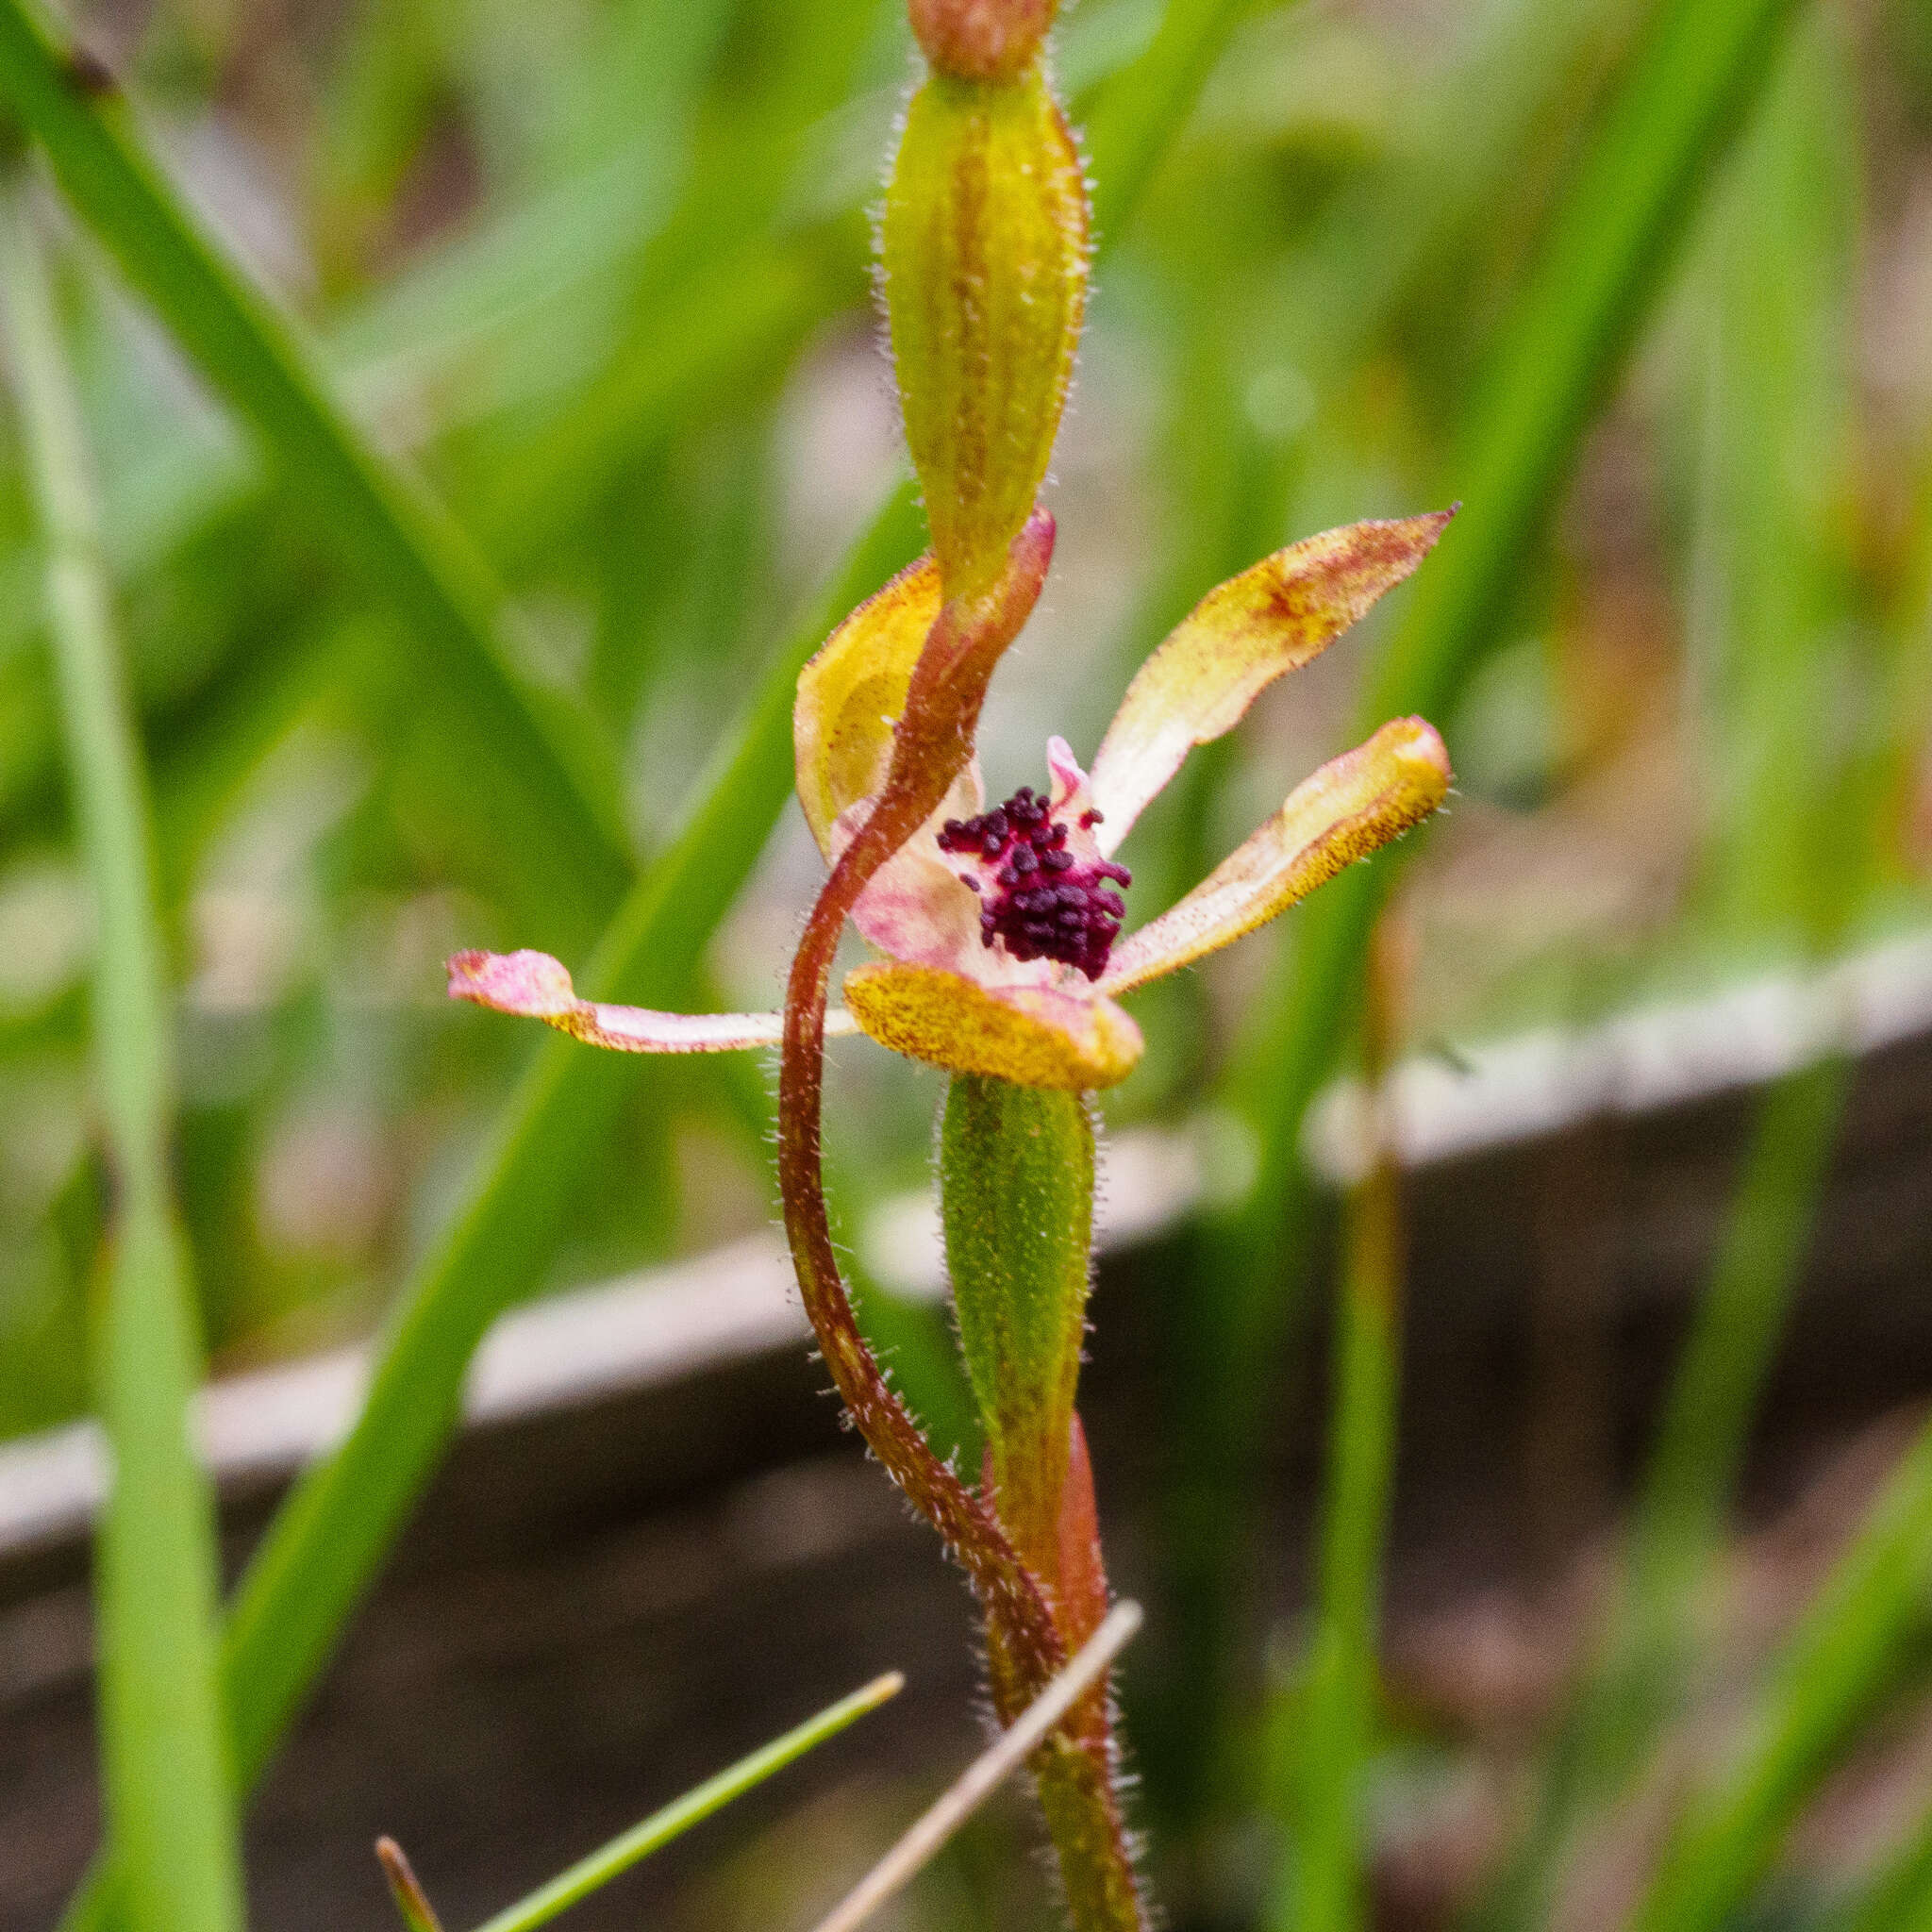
(985, 281)
(981, 40)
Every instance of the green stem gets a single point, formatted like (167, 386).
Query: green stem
(161, 1746)
(1016, 1201)
(1324, 1893)
(1016, 1198)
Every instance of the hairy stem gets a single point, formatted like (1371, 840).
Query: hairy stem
(1016, 1195)
(931, 745)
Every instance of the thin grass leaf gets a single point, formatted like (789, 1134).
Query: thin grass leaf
(588, 1874)
(541, 782)
(985, 1775)
(328, 1538)
(1898, 1897)
(1775, 388)
(1555, 361)
(167, 1788)
(1675, 103)
(1639, 1683)
(1337, 1700)
(331, 1536)
(412, 1902)
(1830, 1675)
(1135, 117)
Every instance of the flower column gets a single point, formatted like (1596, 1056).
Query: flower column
(998, 929)
(983, 275)
(985, 272)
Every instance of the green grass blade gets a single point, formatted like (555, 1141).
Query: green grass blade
(1136, 115)
(1831, 1672)
(546, 789)
(1557, 357)
(327, 1540)
(1637, 1684)
(166, 1782)
(1772, 400)
(1556, 360)
(697, 1804)
(1339, 1697)
(412, 1902)
(1898, 1898)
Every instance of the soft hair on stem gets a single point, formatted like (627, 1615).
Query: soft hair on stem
(931, 745)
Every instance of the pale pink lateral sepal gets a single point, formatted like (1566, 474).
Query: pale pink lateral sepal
(1351, 806)
(1272, 619)
(533, 986)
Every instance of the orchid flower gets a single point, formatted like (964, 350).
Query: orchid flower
(1000, 930)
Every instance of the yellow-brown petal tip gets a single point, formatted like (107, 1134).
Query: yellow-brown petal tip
(1032, 1035)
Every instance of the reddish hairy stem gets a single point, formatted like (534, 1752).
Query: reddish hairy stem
(931, 745)
(1077, 1771)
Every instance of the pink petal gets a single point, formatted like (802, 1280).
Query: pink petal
(1271, 619)
(533, 986)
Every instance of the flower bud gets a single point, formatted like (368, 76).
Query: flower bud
(981, 40)
(985, 282)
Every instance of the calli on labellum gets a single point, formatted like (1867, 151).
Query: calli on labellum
(1000, 930)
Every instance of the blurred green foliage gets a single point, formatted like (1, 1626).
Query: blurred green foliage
(453, 593)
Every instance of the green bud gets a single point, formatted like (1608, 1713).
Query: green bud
(981, 40)
(984, 280)
(1016, 1199)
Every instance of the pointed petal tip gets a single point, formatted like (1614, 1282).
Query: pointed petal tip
(1417, 744)
(1269, 620)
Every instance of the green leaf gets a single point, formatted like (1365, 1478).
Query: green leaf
(1136, 116)
(540, 781)
(1772, 381)
(167, 1790)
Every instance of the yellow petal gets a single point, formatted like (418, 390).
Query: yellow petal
(1033, 1036)
(1272, 619)
(1352, 806)
(851, 693)
(533, 986)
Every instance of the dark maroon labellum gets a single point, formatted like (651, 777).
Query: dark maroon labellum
(1042, 902)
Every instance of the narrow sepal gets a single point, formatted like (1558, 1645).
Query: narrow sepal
(1272, 619)
(851, 693)
(1353, 804)
(533, 986)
